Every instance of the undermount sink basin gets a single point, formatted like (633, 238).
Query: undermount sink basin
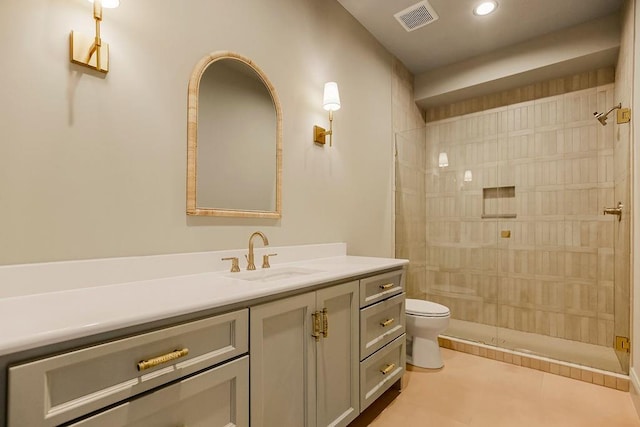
(271, 274)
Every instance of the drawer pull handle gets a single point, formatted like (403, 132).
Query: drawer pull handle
(387, 286)
(390, 367)
(146, 364)
(387, 322)
(325, 323)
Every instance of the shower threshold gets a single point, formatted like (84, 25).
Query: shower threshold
(594, 356)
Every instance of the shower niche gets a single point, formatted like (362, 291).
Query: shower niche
(499, 202)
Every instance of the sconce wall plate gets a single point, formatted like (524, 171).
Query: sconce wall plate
(319, 135)
(624, 115)
(90, 51)
(82, 52)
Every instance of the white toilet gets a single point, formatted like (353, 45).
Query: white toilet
(425, 321)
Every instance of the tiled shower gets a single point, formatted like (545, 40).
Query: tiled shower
(501, 215)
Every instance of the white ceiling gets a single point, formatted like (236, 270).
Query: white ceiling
(458, 34)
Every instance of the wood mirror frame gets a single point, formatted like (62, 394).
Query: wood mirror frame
(192, 142)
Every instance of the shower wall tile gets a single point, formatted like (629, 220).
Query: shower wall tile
(536, 91)
(493, 122)
(416, 277)
(406, 115)
(554, 275)
(549, 112)
(579, 106)
(520, 117)
(605, 300)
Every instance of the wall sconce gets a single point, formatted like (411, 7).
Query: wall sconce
(331, 103)
(468, 176)
(443, 160)
(90, 51)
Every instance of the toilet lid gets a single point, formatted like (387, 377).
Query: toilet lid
(418, 307)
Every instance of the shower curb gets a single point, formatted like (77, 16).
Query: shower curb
(570, 370)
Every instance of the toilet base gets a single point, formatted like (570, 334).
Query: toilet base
(425, 353)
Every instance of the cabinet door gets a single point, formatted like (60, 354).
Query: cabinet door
(338, 356)
(215, 398)
(283, 354)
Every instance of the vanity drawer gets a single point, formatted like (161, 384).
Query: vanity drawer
(380, 324)
(381, 371)
(51, 391)
(218, 397)
(377, 288)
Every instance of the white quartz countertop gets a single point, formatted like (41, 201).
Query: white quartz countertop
(37, 320)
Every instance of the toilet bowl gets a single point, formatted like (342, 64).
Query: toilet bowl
(425, 321)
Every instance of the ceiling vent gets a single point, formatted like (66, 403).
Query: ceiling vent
(416, 16)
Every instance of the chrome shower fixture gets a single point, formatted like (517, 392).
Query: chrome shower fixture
(602, 117)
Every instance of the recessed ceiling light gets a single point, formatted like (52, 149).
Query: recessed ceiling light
(485, 8)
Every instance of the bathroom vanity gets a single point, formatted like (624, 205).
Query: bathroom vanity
(309, 342)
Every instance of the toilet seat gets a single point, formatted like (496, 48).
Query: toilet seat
(422, 308)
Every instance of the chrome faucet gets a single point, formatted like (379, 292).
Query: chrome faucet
(250, 258)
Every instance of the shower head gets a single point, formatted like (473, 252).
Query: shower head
(602, 117)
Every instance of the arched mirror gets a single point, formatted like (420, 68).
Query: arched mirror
(234, 140)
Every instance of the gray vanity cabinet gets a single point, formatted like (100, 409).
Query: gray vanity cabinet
(179, 367)
(310, 359)
(296, 380)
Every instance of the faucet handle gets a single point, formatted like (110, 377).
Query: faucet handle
(265, 260)
(235, 266)
(250, 265)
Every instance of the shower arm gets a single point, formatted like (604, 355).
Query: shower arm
(615, 107)
(602, 117)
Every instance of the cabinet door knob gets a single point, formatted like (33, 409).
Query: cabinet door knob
(390, 367)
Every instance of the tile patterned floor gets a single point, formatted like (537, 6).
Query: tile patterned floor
(472, 391)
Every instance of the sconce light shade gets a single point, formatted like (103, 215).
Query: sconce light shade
(109, 4)
(443, 160)
(331, 101)
(468, 176)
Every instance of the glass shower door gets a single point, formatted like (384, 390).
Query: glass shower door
(461, 244)
(410, 225)
(564, 267)
(621, 235)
